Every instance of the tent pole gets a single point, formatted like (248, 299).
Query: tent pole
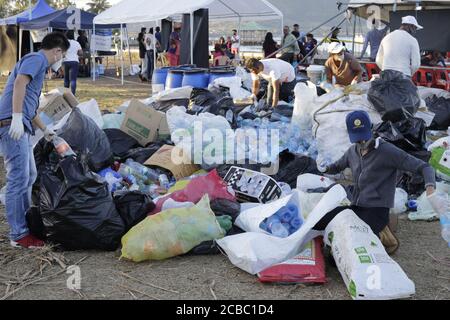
(354, 34)
(192, 36)
(121, 50)
(128, 45)
(20, 42)
(93, 52)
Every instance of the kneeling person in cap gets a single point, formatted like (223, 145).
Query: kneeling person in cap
(374, 164)
(280, 75)
(342, 66)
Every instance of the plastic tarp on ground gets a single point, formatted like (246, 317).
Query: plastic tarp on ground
(60, 18)
(41, 8)
(135, 11)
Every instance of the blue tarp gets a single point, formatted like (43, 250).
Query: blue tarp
(60, 19)
(41, 8)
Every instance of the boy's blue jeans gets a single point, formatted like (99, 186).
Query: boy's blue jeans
(20, 176)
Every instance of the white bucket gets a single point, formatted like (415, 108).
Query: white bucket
(315, 73)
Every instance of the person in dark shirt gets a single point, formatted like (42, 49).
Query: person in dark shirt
(269, 45)
(83, 40)
(142, 54)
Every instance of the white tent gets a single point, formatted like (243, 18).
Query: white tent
(143, 11)
(364, 10)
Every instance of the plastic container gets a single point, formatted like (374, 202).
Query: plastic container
(164, 181)
(315, 73)
(62, 147)
(159, 79)
(278, 229)
(445, 227)
(196, 78)
(142, 170)
(174, 79)
(220, 73)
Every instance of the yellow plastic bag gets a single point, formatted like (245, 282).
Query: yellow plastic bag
(171, 233)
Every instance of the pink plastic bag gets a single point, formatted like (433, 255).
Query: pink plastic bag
(211, 184)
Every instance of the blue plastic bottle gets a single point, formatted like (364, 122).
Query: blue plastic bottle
(279, 230)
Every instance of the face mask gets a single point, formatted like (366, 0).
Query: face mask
(55, 67)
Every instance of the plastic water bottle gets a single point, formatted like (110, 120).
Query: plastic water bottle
(279, 230)
(126, 171)
(445, 227)
(287, 213)
(164, 181)
(296, 223)
(62, 147)
(142, 170)
(412, 205)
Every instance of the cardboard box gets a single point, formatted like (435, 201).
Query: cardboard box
(252, 186)
(68, 96)
(53, 107)
(163, 159)
(144, 123)
(56, 104)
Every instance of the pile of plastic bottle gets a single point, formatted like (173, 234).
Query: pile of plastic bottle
(133, 176)
(284, 222)
(291, 138)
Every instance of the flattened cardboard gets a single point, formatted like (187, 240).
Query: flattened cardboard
(163, 159)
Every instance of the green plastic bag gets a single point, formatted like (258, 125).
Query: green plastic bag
(171, 232)
(440, 161)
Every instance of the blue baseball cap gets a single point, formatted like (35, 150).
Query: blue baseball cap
(359, 126)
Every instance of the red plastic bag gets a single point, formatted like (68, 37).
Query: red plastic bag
(306, 267)
(211, 184)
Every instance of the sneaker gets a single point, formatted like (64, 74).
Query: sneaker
(29, 242)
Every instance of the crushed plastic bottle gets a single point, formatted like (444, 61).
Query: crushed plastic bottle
(62, 147)
(164, 181)
(142, 170)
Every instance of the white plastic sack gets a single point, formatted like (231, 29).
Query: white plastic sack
(425, 92)
(171, 94)
(235, 86)
(400, 200)
(134, 70)
(256, 251)
(172, 204)
(246, 77)
(251, 217)
(312, 181)
(424, 210)
(427, 116)
(439, 143)
(113, 120)
(329, 127)
(91, 109)
(304, 106)
(368, 271)
(2, 195)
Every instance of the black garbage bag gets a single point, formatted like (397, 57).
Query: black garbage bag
(120, 142)
(441, 108)
(166, 105)
(84, 136)
(202, 98)
(413, 183)
(220, 207)
(142, 154)
(291, 166)
(408, 135)
(394, 96)
(77, 209)
(35, 224)
(133, 207)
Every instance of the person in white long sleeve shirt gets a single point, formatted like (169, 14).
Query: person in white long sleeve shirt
(399, 50)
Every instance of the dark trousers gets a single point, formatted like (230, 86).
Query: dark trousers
(376, 218)
(286, 92)
(150, 64)
(70, 75)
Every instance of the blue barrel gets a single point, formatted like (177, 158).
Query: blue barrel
(174, 79)
(159, 78)
(196, 78)
(224, 73)
(187, 66)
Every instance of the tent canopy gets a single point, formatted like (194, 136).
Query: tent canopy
(139, 11)
(387, 6)
(59, 20)
(41, 8)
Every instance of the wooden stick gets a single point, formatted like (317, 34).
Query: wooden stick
(212, 291)
(147, 284)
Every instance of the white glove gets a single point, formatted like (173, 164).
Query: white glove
(354, 82)
(49, 134)
(438, 202)
(16, 130)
